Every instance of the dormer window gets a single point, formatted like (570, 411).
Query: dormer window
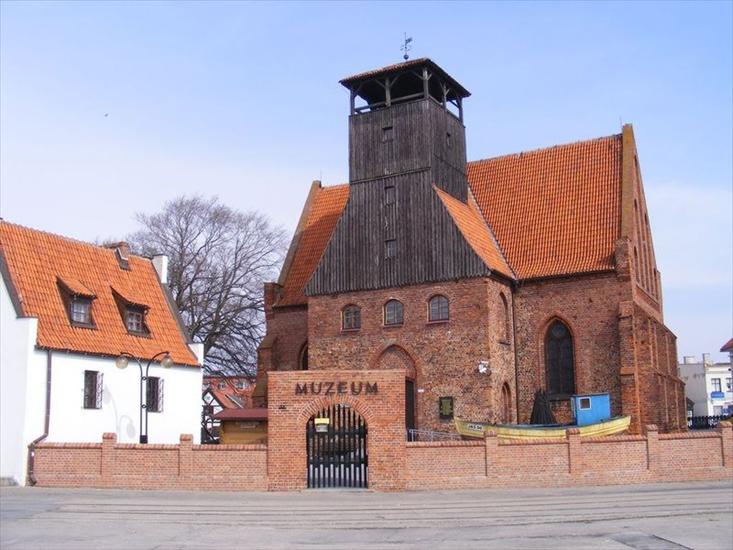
(135, 320)
(133, 314)
(81, 310)
(77, 300)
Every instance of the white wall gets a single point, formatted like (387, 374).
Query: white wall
(22, 389)
(120, 412)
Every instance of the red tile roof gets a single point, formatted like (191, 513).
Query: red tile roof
(473, 227)
(38, 262)
(728, 346)
(325, 211)
(554, 211)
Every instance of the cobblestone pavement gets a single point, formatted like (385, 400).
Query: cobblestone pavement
(670, 516)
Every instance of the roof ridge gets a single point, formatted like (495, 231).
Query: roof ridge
(66, 238)
(543, 149)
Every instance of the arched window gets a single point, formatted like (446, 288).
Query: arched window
(505, 330)
(393, 313)
(303, 359)
(559, 366)
(438, 308)
(506, 404)
(351, 318)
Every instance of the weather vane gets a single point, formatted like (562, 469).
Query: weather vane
(406, 47)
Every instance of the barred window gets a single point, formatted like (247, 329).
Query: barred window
(154, 402)
(351, 318)
(93, 389)
(559, 366)
(393, 313)
(438, 310)
(389, 195)
(390, 248)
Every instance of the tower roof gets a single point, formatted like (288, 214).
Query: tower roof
(392, 70)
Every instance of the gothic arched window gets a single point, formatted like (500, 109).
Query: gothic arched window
(559, 367)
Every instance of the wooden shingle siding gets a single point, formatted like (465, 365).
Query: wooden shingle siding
(429, 245)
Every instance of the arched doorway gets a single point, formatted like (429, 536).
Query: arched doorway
(394, 357)
(336, 448)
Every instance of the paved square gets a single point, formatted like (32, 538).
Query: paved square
(671, 516)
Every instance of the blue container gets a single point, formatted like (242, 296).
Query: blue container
(590, 408)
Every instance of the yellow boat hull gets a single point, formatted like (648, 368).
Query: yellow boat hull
(612, 426)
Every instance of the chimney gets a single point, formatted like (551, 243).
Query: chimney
(706, 359)
(160, 263)
(122, 253)
(689, 360)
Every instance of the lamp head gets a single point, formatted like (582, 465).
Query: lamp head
(121, 362)
(167, 361)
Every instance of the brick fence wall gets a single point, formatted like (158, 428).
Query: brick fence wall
(649, 458)
(133, 466)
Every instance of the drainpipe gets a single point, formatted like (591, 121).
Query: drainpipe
(32, 445)
(514, 345)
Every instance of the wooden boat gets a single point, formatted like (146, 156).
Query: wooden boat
(612, 426)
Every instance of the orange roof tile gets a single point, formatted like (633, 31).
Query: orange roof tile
(728, 346)
(321, 220)
(473, 227)
(554, 211)
(37, 261)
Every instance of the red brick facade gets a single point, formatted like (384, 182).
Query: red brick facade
(289, 411)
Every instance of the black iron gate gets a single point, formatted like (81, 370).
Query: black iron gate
(336, 448)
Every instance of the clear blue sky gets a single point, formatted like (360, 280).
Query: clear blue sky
(242, 101)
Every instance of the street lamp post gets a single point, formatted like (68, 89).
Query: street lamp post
(121, 363)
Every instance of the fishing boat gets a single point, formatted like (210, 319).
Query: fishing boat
(591, 413)
(611, 426)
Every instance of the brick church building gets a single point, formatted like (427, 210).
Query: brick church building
(483, 280)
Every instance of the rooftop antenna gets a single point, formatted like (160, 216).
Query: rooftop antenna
(406, 47)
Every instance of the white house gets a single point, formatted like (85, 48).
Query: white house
(68, 311)
(708, 385)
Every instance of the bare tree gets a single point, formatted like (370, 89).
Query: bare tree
(218, 261)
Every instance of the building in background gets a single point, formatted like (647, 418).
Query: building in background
(708, 385)
(68, 310)
(218, 393)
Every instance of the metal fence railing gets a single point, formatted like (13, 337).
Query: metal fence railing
(429, 435)
(704, 422)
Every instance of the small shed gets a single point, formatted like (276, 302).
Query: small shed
(243, 426)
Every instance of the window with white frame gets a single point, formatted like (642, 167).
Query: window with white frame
(154, 402)
(93, 389)
(715, 383)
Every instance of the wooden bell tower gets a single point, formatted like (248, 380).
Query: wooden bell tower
(407, 143)
(408, 118)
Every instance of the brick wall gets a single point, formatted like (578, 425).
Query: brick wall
(394, 464)
(133, 466)
(289, 411)
(443, 356)
(649, 458)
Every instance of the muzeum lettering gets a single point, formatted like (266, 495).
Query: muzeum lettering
(336, 388)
